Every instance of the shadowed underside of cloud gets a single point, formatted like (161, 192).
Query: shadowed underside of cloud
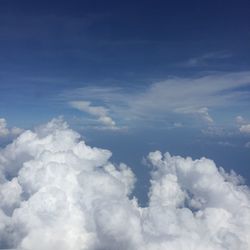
(58, 193)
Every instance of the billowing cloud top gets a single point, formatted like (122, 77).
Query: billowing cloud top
(58, 193)
(5, 131)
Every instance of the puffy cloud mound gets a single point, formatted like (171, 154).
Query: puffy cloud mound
(5, 131)
(58, 193)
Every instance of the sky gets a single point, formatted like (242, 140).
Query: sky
(170, 75)
(132, 76)
(137, 79)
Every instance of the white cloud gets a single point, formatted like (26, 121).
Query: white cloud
(245, 128)
(201, 112)
(178, 124)
(5, 131)
(205, 60)
(226, 144)
(240, 120)
(244, 125)
(100, 112)
(247, 145)
(195, 96)
(58, 193)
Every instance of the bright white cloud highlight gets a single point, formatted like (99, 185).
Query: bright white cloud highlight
(100, 112)
(58, 193)
(5, 131)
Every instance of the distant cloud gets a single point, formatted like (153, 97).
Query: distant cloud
(205, 60)
(244, 125)
(179, 97)
(6, 131)
(240, 120)
(202, 113)
(178, 124)
(56, 192)
(100, 112)
(226, 144)
(247, 145)
(245, 129)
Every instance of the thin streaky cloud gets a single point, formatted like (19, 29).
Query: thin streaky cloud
(193, 96)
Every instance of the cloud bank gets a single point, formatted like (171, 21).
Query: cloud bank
(58, 193)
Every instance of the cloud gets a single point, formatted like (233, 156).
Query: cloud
(226, 144)
(201, 112)
(176, 98)
(100, 112)
(247, 145)
(245, 128)
(5, 131)
(205, 60)
(244, 125)
(58, 193)
(240, 120)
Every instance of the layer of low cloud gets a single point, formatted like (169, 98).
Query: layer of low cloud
(6, 131)
(58, 193)
(100, 112)
(175, 97)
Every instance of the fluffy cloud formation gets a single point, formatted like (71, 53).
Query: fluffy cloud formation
(5, 131)
(100, 112)
(240, 120)
(245, 128)
(58, 193)
(244, 125)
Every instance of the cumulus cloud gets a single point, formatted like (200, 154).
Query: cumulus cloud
(98, 111)
(58, 193)
(5, 131)
(245, 128)
(240, 120)
(243, 124)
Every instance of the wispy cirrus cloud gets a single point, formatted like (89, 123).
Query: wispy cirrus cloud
(205, 59)
(183, 97)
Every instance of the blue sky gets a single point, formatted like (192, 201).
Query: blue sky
(132, 76)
